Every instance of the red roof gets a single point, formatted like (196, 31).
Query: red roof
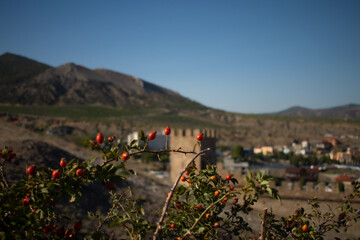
(343, 178)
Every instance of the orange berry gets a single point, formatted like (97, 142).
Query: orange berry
(232, 188)
(304, 228)
(125, 156)
(207, 215)
(173, 225)
(216, 225)
(228, 177)
(183, 178)
(216, 193)
(213, 177)
(236, 200)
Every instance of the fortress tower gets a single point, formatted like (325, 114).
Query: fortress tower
(186, 139)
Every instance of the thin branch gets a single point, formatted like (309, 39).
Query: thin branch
(152, 151)
(263, 225)
(203, 213)
(116, 201)
(4, 178)
(107, 217)
(167, 202)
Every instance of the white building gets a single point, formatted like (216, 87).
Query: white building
(156, 144)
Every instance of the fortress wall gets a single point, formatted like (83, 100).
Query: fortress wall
(185, 139)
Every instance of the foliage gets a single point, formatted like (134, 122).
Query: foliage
(205, 205)
(237, 152)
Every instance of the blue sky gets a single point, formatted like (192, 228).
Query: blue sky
(243, 56)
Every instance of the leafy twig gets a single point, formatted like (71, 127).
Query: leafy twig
(167, 202)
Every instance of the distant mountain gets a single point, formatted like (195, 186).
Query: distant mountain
(345, 112)
(27, 82)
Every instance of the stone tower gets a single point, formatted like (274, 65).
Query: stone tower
(186, 139)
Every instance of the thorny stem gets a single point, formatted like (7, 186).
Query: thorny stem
(152, 151)
(167, 202)
(110, 212)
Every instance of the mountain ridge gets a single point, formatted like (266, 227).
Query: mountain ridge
(349, 111)
(75, 84)
(28, 82)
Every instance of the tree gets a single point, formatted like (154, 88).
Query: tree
(237, 152)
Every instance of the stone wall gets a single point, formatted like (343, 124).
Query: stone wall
(186, 140)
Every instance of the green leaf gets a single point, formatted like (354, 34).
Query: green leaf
(72, 198)
(133, 142)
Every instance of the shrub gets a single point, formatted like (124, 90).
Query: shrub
(206, 206)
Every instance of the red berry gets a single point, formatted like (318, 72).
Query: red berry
(187, 173)
(167, 130)
(31, 170)
(236, 200)
(46, 229)
(216, 193)
(216, 225)
(125, 156)
(232, 188)
(63, 162)
(26, 201)
(228, 177)
(152, 135)
(199, 207)
(296, 213)
(183, 178)
(80, 172)
(200, 136)
(55, 174)
(100, 138)
(111, 139)
(34, 211)
(77, 226)
(173, 225)
(95, 143)
(110, 186)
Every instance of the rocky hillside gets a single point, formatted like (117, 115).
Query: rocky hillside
(27, 82)
(346, 112)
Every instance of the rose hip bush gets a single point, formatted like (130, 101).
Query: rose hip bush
(205, 205)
